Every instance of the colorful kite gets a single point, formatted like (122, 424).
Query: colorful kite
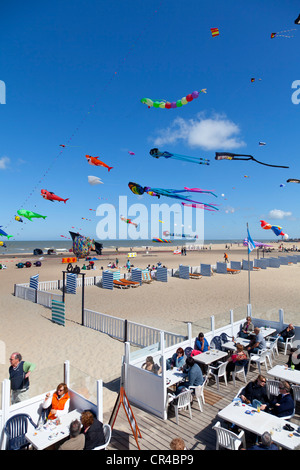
(257, 244)
(30, 215)
(174, 104)
(96, 162)
(128, 221)
(4, 234)
(50, 196)
(214, 32)
(173, 193)
(3, 244)
(82, 246)
(18, 219)
(293, 180)
(94, 180)
(275, 228)
(161, 240)
(156, 153)
(279, 34)
(235, 156)
(253, 79)
(131, 153)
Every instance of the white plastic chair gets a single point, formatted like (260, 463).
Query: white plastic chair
(261, 358)
(199, 393)
(239, 370)
(219, 371)
(296, 393)
(272, 387)
(107, 436)
(288, 342)
(183, 400)
(272, 345)
(228, 439)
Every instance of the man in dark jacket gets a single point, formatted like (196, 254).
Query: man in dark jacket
(255, 390)
(283, 404)
(93, 431)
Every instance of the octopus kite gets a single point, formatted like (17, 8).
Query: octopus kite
(173, 104)
(156, 153)
(175, 194)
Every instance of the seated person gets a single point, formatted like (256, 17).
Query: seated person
(59, 402)
(92, 429)
(283, 404)
(84, 267)
(177, 360)
(150, 366)
(257, 343)
(201, 343)
(266, 443)
(239, 358)
(255, 390)
(177, 444)
(294, 358)
(76, 440)
(288, 332)
(194, 374)
(247, 328)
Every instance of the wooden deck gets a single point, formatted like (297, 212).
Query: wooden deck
(196, 433)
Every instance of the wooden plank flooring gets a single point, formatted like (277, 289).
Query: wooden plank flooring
(196, 433)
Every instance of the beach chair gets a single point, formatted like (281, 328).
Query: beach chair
(195, 276)
(107, 436)
(130, 283)
(228, 439)
(120, 284)
(233, 271)
(146, 277)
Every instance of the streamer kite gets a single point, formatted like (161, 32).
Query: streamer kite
(173, 193)
(161, 240)
(156, 153)
(128, 221)
(243, 157)
(173, 104)
(280, 35)
(275, 228)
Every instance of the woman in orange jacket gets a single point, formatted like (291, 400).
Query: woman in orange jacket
(59, 402)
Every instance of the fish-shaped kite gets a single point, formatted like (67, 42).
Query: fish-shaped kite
(4, 234)
(96, 162)
(30, 215)
(128, 221)
(50, 196)
(243, 157)
(172, 193)
(156, 153)
(18, 218)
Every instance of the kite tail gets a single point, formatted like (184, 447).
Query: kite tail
(65, 200)
(43, 216)
(9, 236)
(110, 168)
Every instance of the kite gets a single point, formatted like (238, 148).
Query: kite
(73, 146)
(94, 180)
(18, 219)
(82, 246)
(30, 215)
(50, 196)
(282, 185)
(131, 153)
(261, 143)
(183, 235)
(96, 162)
(235, 156)
(214, 32)
(156, 153)
(174, 104)
(279, 34)
(257, 244)
(275, 228)
(253, 79)
(293, 180)
(161, 240)
(4, 234)
(128, 221)
(173, 193)
(297, 20)
(3, 244)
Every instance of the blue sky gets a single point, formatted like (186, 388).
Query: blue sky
(75, 72)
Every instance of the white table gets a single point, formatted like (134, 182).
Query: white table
(258, 423)
(50, 433)
(173, 376)
(231, 345)
(265, 331)
(210, 356)
(284, 373)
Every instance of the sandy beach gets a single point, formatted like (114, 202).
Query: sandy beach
(27, 327)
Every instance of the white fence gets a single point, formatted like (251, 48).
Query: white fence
(37, 296)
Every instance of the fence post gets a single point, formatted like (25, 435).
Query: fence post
(212, 322)
(100, 400)
(231, 321)
(125, 331)
(67, 373)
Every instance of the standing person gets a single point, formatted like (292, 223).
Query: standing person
(19, 372)
(92, 428)
(117, 262)
(226, 259)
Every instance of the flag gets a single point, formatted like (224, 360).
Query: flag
(214, 32)
(251, 244)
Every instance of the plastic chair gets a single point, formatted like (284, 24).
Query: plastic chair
(261, 358)
(228, 439)
(272, 345)
(238, 370)
(272, 387)
(107, 436)
(15, 429)
(199, 393)
(288, 342)
(183, 400)
(296, 393)
(216, 343)
(218, 371)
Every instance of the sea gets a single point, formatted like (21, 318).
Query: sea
(19, 247)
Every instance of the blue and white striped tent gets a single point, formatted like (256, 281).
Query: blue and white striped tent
(108, 280)
(34, 282)
(162, 274)
(58, 312)
(184, 272)
(71, 283)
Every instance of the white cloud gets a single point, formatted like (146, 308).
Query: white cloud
(216, 133)
(4, 162)
(278, 214)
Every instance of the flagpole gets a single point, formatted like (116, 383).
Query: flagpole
(249, 295)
